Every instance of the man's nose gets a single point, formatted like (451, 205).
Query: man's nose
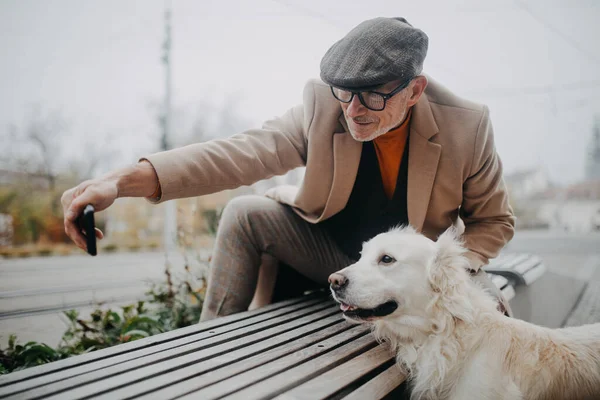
(355, 107)
(337, 281)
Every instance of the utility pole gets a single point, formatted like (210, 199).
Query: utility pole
(170, 228)
(166, 60)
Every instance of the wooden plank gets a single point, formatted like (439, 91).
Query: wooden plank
(157, 375)
(380, 386)
(248, 317)
(213, 345)
(508, 292)
(503, 259)
(341, 376)
(284, 373)
(200, 375)
(498, 280)
(521, 269)
(511, 260)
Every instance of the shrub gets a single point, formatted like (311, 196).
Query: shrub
(134, 247)
(44, 252)
(110, 248)
(172, 305)
(16, 357)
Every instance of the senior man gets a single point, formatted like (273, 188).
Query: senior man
(383, 145)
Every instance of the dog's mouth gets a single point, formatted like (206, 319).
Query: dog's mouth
(381, 310)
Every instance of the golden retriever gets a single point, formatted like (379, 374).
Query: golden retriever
(447, 332)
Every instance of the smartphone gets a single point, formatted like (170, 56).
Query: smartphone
(88, 228)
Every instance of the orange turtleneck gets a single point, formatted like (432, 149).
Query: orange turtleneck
(390, 148)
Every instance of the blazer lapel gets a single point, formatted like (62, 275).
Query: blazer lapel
(423, 158)
(346, 158)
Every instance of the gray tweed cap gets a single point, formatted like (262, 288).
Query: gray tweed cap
(377, 51)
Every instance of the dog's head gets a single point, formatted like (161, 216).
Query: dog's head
(402, 274)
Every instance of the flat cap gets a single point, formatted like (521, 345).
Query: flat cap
(377, 51)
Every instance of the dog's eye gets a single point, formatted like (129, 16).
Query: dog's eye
(385, 259)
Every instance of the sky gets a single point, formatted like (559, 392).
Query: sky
(535, 63)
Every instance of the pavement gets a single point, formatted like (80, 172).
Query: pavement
(34, 291)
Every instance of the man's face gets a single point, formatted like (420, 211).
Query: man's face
(365, 125)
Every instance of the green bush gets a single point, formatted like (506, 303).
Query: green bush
(16, 357)
(172, 305)
(110, 248)
(177, 303)
(6, 253)
(44, 252)
(24, 254)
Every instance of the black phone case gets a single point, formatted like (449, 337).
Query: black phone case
(88, 228)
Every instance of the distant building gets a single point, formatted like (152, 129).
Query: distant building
(525, 184)
(592, 165)
(575, 208)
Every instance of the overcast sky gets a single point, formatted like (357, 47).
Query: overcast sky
(535, 63)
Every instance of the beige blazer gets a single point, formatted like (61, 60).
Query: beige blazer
(453, 169)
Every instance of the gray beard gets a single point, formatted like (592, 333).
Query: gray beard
(380, 131)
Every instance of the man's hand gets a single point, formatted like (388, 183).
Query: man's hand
(100, 193)
(139, 180)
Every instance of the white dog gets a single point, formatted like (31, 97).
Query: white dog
(447, 332)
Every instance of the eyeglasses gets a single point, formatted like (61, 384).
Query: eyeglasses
(374, 101)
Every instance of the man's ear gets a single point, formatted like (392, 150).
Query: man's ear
(416, 89)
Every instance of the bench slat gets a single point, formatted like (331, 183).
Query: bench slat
(528, 264)
(380, 386)
(151, 374)
(150, 342)
(214, 345)
(292, 370)
(509, 292)
(341, 376)
(508, 261)
(243, 372)
(214, 370)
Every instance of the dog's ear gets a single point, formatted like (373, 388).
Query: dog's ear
(449, 246)
(450, 253)
(448, 276)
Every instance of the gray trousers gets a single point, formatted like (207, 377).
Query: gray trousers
(252, 226)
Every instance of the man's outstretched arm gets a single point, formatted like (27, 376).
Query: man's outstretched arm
(204, 168)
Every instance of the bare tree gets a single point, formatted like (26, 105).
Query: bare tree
(43, 149)
(35, 148)
(217, 122)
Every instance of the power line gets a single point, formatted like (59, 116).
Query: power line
(170, 222)
(558, 32)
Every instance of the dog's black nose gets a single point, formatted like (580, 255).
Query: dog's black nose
(337, 281)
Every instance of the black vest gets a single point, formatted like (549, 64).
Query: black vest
(369, 211)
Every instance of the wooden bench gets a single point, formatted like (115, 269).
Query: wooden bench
(294, 349)
(536, 294)
(297, 349)
(519, 269)
(511, 270)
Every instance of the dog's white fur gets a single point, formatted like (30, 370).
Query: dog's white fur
(448, 334)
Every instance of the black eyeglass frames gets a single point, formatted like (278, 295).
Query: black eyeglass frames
(374, 101)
